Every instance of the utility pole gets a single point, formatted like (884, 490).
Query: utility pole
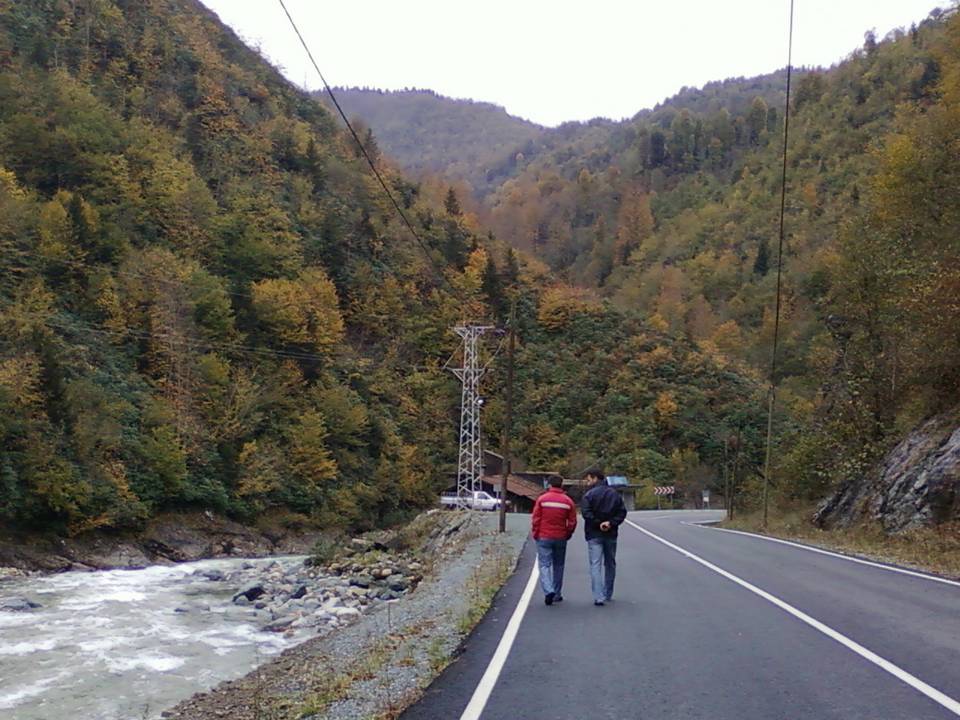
(736, 470)
(470, 460)
(726, 475)
(766, 464)
(508, 420)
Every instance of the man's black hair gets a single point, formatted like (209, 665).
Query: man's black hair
(555, 481)
(594, 473)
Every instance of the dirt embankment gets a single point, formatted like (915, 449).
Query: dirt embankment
(168, 538)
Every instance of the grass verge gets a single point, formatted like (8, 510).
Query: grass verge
(933, 549)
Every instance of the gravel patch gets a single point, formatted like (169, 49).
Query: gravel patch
(381, 663)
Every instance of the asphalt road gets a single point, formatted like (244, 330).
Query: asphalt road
(748, 629)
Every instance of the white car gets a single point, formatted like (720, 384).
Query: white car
(477, 500)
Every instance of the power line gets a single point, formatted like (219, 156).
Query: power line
(776, 317)
(366, 155)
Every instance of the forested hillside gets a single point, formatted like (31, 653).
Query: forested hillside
(207, 302)
(424, 132)
(673, 216)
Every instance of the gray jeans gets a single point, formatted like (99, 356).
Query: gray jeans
(603, 566)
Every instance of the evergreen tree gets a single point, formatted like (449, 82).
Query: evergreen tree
(452, 203)
(492, 287)
(756, 120)
(511, 269)
(761, 264)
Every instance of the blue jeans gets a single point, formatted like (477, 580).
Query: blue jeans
(551, 556)
(603, 566)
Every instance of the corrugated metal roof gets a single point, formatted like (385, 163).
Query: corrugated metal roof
(516, 485)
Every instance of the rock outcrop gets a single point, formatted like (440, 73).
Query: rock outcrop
(167, 539)
(916, 485)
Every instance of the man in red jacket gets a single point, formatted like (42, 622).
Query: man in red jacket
(554, 520)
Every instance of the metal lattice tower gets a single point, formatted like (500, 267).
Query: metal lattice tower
(470, 463)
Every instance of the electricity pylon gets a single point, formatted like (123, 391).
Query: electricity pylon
(470, 462)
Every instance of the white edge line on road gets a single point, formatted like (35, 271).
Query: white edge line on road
(931, 692)
(478, 700)
(851, 558)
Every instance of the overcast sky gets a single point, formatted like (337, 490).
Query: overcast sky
(556, 60)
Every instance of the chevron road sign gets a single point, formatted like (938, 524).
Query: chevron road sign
(663, 490)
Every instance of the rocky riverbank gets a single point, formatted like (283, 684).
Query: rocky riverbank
(443, 571)
(288, 598)
(171, 538)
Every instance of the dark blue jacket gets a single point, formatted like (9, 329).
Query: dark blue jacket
(601, 503)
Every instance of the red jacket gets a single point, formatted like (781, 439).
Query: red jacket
(554, 516)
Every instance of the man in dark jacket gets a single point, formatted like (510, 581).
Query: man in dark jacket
(554, 520)
(603, 512)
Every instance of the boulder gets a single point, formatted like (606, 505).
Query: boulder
(251, 592)
(280, 624)
(398, 583)
(19, 605)
(360, 544)
(299, 592)
(345, 612)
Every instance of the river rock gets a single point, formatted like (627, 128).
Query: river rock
(280, 624)
(213, 575)
(345, 612)
(299, 592)
(362, 581)
(251, 592)
(19, 605)
(398, 583)
(9, 573)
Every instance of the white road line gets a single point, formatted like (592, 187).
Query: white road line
(480, 696)
(931, 692)
(891, 568)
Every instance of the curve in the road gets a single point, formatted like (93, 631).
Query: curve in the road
(821, 551)
(916, 683)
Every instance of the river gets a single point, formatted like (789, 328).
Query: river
(126, 644)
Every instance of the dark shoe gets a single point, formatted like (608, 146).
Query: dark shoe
(598, 603)
(609, 599)
(558, 598)
(548, 598)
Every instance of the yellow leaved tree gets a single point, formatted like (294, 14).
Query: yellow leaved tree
(304, 312)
